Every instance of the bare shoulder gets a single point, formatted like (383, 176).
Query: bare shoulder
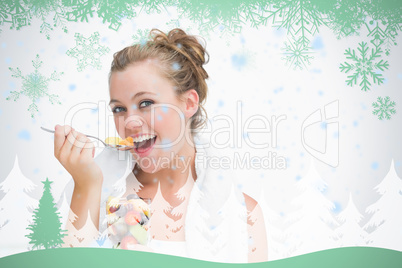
(250, 202)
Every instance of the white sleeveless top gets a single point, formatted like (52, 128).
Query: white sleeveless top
(216, 219)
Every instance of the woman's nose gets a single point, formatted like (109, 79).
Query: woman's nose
(133, 121)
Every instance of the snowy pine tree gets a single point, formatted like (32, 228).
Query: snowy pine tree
(46, 227)
(183, 194)
(88, 235)
(312, 222)
(15, 211)
(133, 184)
(350, 233)
(275, 235)
(232, 217)
(70, 240)
(65, 211)
(159, 221)
(203, 232)
(387, 217)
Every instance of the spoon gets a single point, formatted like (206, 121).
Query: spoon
(117, 146)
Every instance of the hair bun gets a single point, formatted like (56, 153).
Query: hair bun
(186, 45)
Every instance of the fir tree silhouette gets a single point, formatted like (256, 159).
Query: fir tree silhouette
(46, 226)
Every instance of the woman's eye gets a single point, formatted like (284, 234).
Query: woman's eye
(145, 103)
(117, 110)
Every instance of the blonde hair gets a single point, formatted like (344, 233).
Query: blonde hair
(181, 56)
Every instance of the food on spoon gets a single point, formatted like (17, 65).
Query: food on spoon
(119, 141)
(113, 140)
(127, 141)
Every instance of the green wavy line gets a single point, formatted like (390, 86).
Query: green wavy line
(112, 258)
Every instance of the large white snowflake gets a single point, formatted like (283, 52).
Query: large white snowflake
(87, 51)
(34, 86)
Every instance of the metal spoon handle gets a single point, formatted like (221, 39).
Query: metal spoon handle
(118, 147)
(89, 136)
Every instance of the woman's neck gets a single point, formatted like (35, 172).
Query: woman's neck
(175, 175)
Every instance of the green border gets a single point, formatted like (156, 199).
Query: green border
(304, 17)
(98, 257)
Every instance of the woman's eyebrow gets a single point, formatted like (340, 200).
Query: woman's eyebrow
(138, 94)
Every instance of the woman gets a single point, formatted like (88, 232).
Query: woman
(157, 90)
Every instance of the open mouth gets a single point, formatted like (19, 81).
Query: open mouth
(144, 144)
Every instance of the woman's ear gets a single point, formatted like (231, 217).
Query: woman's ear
(191, 99)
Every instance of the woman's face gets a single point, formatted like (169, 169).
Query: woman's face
(146, 107)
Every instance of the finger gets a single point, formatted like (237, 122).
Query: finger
(60, 138)
(69, 142)
(88, 150)
(79, 143)
(65, 152)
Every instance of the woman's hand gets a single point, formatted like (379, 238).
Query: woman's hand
(76, 153)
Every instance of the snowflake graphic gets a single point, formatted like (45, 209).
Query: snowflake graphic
(16, 13)
(114, 11)
(390, 39)
(364, 66)
(19, 14)
(150, 6)
(384, 107)
(377, 34)
(34, 86)
(346, 17)
(141, 37)
(254, 13)
(87, 51)
(224, 17)
(42, 9)
(80, 10)
(297, 54)
(381, 36)
(301, 19)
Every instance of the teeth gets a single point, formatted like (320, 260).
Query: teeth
(143, 138)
